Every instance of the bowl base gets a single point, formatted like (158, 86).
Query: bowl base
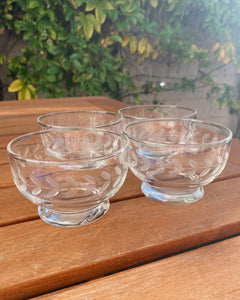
(73, 219)
(171, 199)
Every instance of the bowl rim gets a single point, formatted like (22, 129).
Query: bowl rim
(42, 123)
(75, 162)
(122, 111)
(225, 140)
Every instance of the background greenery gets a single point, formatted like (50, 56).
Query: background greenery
(78, 47)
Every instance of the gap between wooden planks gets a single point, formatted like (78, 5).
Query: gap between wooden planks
(211, 272)
(37, 258)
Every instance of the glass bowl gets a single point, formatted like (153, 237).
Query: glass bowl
(144, 112)
(69, 174)
(175, 158)
(81, 119)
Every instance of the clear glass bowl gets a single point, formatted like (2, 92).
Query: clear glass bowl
(69, 174)
(144, 112)
(81, 119)
(175, 158)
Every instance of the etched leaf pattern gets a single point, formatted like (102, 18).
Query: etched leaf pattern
(193, 164)
(58, 171)
(37, 190)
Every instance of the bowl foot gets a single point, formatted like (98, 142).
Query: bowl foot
(172, 199)
(64, 219)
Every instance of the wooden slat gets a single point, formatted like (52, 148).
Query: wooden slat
(15, 208)
(3, 156)
(16, 121)
(18, 130)
(37, 258)
(9, 207)
(19, 121)
(5, 139)
(211, 272)
(12, 108)
(235, 152)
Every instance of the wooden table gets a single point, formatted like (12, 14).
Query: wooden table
(139, 250)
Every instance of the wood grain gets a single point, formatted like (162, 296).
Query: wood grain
(15, 208)
(13, 108)
(211, 272)
(19, 130)
(9, 207)
(37, 258)
(20, 119)
(3, 156)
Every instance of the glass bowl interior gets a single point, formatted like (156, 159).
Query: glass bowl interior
(180, 132)
(140, 112)
(54, 146)
(79, 119)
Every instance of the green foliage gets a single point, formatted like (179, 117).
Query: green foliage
(79, 47)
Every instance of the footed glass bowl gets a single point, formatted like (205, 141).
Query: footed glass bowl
(69, 174)
(144, 112)
(174, 159)
(81, 119)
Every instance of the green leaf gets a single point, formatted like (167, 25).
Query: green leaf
(24, 94)
(53, 70)
(88, 29)
(133, 44)
(8, 17)
(2, 58)
(79, 67)
(100, 15)
(32, 90)
(54, 50)
(91, 18)
(33, 4)
(118, 76)
(16, 85)
(38, 64)
(51, 78)
(111, 83)
(154, 3)
(117, 63)
(116, 38)
(51, 15)
(18, 25)
(90, 6)
(215, 90)
(137, 98)
(75, 55)
(28, 35)
(142, 45)
(67, 65)
(62, 36)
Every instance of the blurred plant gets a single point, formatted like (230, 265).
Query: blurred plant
(79, 47)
